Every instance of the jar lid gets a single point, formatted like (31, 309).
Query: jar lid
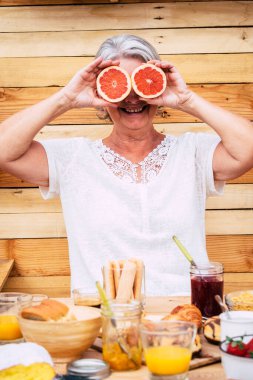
(210, 268)
(92, 369)
(122, 310)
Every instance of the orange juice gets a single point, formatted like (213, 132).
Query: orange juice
(167, 360)
(9, 328)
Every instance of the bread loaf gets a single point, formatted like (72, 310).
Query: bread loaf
(47, 310)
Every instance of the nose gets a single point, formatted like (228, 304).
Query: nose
(132, 97)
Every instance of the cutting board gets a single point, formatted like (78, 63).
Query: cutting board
(210, 353)
(5, 269)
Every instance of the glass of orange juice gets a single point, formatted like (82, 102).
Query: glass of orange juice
(10, 303)
(9, 327)
(167, 348)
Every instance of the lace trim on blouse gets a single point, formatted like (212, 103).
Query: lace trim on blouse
(126, 170)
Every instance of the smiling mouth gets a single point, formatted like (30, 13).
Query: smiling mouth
(135, 110)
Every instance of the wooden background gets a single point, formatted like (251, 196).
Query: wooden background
(44, 42)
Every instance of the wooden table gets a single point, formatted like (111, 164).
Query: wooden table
(157, 305)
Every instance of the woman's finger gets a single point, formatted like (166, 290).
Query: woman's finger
(96, 66)
(154, 61)
(92, 65)
(107, 63)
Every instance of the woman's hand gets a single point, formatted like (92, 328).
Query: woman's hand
(176, 93)
(81, 90)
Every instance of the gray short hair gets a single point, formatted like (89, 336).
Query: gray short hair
(127, 46)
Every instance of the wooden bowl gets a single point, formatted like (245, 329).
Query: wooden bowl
(64, 340)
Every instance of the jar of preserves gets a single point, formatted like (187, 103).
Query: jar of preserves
(206, 283)
(121, 340)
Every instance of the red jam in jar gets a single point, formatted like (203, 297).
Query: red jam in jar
(206, 282)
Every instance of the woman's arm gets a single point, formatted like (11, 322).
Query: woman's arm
(234, 155)
(20, 155)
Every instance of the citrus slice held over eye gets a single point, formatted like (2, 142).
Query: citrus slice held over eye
(148, 81)
(113, 84)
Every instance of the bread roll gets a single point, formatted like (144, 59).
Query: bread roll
(47, 310)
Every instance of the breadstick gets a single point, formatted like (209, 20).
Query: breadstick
(116, 274)
(138, 278)
(109, 281)
(126, 282)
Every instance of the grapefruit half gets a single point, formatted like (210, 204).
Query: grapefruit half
(148, 81)
(113, 84)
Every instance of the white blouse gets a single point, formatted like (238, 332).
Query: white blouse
(110, 214)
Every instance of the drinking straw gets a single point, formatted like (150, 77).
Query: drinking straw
(104, 300)
(184, 251)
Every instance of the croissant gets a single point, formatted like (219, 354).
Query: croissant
(188, 313)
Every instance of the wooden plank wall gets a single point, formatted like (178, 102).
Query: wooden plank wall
(43, 43)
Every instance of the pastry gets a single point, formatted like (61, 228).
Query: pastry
(196, 347)
(188, 313)
(47, 310)
(212, 330)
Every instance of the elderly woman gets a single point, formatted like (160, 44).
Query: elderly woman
(128, 194)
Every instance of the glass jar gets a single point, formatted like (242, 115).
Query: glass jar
(206, 282)
(86, 297)
(121, 340)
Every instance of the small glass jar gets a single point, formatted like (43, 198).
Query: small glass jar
(206, 282)
(86, 297)
(121, 340)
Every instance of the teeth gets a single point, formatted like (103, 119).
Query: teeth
(135, 110)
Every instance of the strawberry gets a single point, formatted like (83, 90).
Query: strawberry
(250, 345)
(236, 347)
